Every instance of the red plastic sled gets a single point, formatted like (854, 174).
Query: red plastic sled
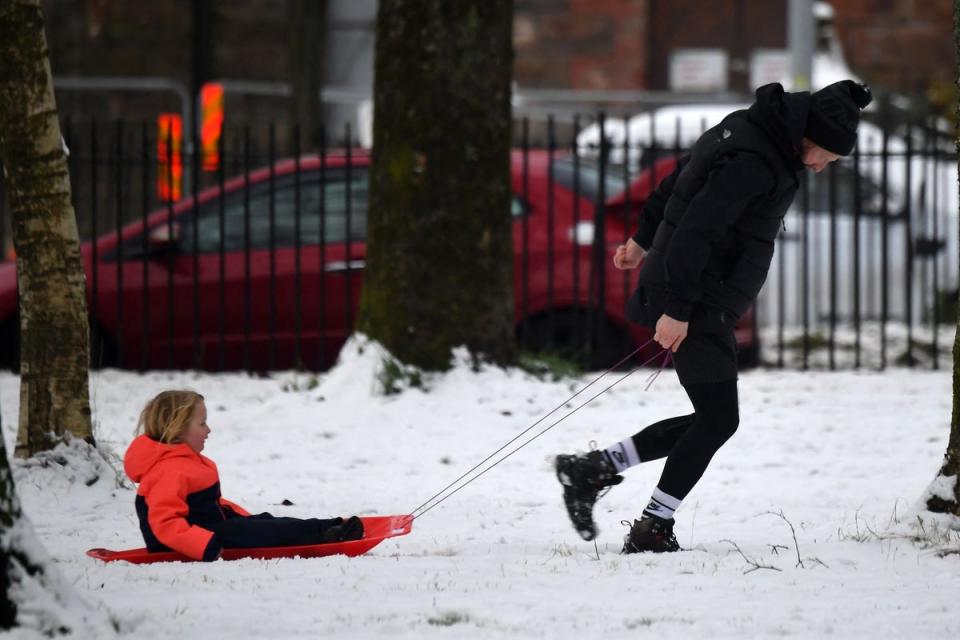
(376, 530)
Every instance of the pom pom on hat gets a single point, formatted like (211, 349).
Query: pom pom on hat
(835, 114)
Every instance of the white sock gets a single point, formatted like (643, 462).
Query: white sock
(662, 505)
(623, 455)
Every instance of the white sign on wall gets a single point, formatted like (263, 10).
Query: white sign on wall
(698, 70)
(768, 65)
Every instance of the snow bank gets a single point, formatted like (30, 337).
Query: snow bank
(842, 456)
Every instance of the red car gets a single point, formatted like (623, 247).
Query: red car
(158, 299)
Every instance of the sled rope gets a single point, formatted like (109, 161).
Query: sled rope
(519, 435)
(424, 508)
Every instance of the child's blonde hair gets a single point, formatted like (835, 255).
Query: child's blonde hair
(167, 415)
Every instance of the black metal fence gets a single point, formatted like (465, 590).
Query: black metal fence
(256, 260)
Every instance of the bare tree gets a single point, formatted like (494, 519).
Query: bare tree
(439, 254)
(54, 333)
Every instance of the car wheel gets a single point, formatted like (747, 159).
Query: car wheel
(567, 336)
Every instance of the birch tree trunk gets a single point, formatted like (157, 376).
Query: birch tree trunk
(54, 333)
(949, 476)
(33, 594)
(16, 564)
(439, 259)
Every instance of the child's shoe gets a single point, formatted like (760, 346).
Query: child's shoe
(349, 529)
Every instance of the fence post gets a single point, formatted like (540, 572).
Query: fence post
(322, 284)
(246, 249)
(598, 263)
(551, 152)
(171, 301)
(196, 355)
(936, 232)
(297, 307)
(626, 207)
(857, 213)
(525, 236)
(884, 245)
(94, 249)
(908, 248)
(272, 317)
(832, 184)
(145, 244)
(118, 192)
(348, 177)
(576, 212)
(805, 272)
(221, 251)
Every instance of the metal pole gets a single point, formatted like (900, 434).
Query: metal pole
(800, 37)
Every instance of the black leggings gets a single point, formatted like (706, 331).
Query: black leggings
(265, 530)
(689, 442)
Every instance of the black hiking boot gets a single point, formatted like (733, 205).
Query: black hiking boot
(583, 476)
(650, 533)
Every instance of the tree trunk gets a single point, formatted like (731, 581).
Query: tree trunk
(54, 333)
(305, 46)
(439, 256)
(13, 559)
(951, 460)
(30, 582)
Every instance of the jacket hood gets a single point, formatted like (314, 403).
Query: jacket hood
(144, 453)
(783, 117)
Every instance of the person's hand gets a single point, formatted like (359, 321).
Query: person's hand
(628, 256)
(670, 333)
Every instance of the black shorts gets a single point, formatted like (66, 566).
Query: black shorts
(708, 353)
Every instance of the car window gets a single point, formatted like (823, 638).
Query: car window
(588, 175)
(330, 197)
(334, 193)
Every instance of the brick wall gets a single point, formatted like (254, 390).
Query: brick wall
(905, 45)
(738, 26)
(581, 44)
(902, 45)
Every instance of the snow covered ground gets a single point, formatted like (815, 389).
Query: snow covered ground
(844, 457)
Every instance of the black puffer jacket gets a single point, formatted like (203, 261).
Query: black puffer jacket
(710, 226)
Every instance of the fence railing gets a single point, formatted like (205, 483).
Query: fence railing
(259, 266)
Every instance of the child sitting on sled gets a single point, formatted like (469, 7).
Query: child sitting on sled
(179, 502)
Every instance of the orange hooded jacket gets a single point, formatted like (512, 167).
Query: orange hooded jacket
(179, 491)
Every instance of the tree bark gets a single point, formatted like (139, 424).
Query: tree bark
(30, 582)
(439, 245)
(12, 559)
(54, 333)
(951, 459)
(305, 45)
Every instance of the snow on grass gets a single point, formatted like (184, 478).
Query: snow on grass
(802, 526)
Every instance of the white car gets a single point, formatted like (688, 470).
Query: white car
(923, 187)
